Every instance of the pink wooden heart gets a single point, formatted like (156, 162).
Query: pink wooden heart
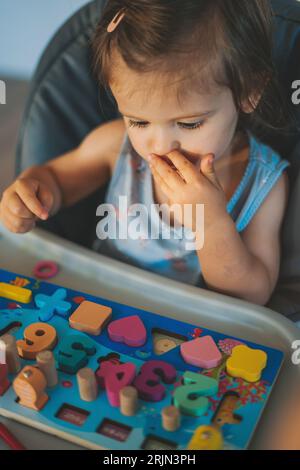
(201, 352)
(128, 330)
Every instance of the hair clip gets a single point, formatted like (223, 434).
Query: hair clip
(116, 20)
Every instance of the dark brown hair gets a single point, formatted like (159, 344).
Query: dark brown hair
(200, 42)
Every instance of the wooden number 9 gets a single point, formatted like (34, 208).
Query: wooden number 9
(37, 337)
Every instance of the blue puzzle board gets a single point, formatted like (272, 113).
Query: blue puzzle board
(97, 424)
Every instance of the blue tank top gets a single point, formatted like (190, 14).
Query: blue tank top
(168, 256)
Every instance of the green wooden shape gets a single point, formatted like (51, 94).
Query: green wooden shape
(73, 353)
(191, 398)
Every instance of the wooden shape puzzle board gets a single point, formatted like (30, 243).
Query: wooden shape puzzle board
(99, 425)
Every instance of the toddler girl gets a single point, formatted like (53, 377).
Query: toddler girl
(196, 91)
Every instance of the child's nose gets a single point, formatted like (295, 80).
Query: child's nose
(163, 147)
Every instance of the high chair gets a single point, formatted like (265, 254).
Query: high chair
(65, 104)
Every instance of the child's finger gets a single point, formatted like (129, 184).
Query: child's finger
(162, 184)
(27, 192)
(208, 170)
(45, 197)
(18, 208)
(183, 165)
(17, 224)
(167, 173)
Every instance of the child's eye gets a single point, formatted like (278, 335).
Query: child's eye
(137, 123)
(190, 126)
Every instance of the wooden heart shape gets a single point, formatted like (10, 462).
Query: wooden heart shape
(128, 330)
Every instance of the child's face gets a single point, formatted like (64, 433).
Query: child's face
(157, 123)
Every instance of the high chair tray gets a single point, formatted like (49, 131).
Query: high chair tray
(85, 271)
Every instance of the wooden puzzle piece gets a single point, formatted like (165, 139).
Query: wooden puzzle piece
(90, 317)
(87, 384)
(225, 411)
(4, 382)
(37, 337)
(46, 363)
(78, 299)
(30, 386)
(73, 353)
(191, 398)
(114, 377)
(8, 346)
(51, 304)
(128, 401)
(201, 352)
(19, 294)
(45, 269)
(246, 363)
(170, 418)
(163, 345)
(128, 330)
(20, 281)
(206, 438)
(148, 381)
(164, 341)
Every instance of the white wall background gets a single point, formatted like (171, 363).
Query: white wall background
(26, 26)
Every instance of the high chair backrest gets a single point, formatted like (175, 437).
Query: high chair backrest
(65, 104)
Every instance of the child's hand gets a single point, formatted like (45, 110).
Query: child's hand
(22, 203)
(185, 184)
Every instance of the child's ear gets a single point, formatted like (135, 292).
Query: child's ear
(251, 103)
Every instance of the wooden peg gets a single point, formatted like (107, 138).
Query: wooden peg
(46, 363)
(128, 401)
(9, 346)
(114, 377)
(87, 383)
(4, 382)
(30, 386)
(170, 418)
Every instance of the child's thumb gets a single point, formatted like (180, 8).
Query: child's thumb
(207, 169)
(46, 198)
